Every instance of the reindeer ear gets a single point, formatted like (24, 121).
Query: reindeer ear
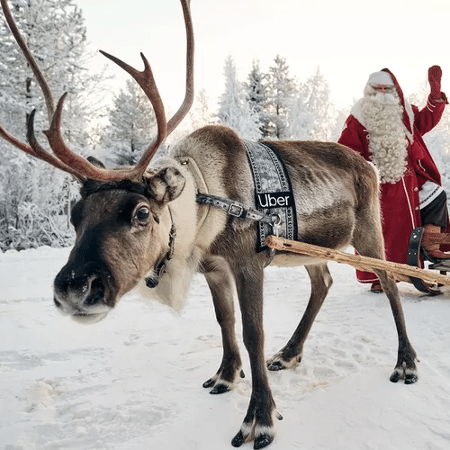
(165, 185)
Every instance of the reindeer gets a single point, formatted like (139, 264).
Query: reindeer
(144, 227)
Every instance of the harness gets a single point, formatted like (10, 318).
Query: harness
(239, 210)
(274, 200)
(275, 206)
(273, 192)
(231, 207)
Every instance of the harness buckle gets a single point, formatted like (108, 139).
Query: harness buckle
(236, 210)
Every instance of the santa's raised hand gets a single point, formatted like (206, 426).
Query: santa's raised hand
(434, 78)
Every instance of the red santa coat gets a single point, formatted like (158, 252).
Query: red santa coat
(400, 201)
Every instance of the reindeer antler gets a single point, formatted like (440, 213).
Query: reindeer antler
(65, 159)
(189, 93)
(147, 83)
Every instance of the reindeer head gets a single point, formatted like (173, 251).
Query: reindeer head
(122, 222)
(123, 231)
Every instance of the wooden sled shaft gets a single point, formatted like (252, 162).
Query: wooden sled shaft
(364, 263)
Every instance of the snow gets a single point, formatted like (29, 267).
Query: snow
(133, 381)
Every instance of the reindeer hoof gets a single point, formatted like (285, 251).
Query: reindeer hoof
(282, 362)
(411, 379)
(409, 376)
(220, 389)
(221, 383)
(394, 377)
(263, 441)
(262, 434)
(275, 366)
(238, 440)
(208, 383)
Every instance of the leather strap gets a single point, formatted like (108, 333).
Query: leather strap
(236, 209)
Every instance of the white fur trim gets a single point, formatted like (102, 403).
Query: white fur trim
(357, 112)
(428, 193)
(410, 113)
(381, 77)
(411, 212)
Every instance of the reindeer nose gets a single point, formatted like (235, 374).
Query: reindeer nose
(79, 291)
(96, 291)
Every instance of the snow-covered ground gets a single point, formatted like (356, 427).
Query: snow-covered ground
(133, 381)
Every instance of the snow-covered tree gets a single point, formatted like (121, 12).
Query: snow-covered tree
(341, 116)
(280, 92)
(234, 109)
(200, 114)
(256, 95)
(299, 120)
(54, 30)
(315, 98)
(33, 207)
(132, 126)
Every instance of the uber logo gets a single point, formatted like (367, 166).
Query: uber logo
(274, 200)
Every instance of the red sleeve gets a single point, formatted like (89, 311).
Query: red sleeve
(427, 118)
(354, 136)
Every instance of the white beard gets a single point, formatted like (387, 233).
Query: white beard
(383, 119)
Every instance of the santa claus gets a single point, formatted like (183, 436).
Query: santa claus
(386, 130)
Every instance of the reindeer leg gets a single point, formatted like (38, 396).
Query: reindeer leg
(291, 353)
(258, 424)
(368, 241)
(405, 369)
(221, 283)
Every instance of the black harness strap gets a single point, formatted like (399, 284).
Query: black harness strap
(236, 209)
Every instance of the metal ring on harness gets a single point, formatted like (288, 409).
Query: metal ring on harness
(276, 225)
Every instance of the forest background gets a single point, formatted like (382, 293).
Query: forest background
(35, 198)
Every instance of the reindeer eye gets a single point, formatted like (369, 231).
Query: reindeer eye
(143, 213)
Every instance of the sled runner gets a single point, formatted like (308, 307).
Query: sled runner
(416, 252)
(411, 273)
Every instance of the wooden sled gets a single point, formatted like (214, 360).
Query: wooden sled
(417, 254)
(401, 272)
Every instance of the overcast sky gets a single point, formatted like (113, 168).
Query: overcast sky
(347, 39)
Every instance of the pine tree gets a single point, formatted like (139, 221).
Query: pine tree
(256, 95)
(132, 125)
(281, 90)
(234, 110)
